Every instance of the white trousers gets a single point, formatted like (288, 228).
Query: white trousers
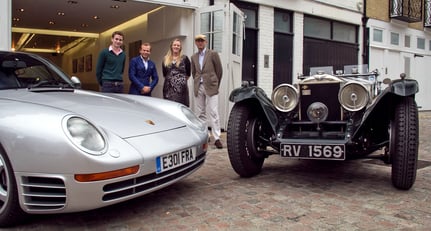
(210, 103)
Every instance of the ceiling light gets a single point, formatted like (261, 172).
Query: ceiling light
(54, 32)
(51, 22)
(96, 17)
(72, 2)
(16, 19)
(20, 10)
(60, 13)
(115, 6)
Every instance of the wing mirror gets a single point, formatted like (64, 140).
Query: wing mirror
(76, 82)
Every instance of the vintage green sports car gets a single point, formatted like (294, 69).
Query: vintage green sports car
(328, 116)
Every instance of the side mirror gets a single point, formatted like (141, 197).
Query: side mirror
(387, 81)
(76, 82)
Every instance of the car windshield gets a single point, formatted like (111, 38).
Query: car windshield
(18, 70)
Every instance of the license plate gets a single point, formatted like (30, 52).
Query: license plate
(174, 160)
(313, 151)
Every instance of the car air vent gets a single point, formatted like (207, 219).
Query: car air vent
(43, 193)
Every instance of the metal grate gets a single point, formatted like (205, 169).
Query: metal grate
(427, 13)
(406, 10)
(145, 183)
(43, 193)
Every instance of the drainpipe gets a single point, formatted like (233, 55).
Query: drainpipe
(365, 36)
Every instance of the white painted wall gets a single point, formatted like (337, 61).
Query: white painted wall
(390, 59)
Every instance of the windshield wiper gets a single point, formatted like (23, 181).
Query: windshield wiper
(49, 83)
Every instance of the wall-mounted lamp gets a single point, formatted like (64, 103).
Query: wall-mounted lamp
(418, 55)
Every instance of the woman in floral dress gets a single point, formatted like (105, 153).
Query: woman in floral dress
(176, 70)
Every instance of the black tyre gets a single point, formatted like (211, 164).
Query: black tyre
(403, 145)
(242, 141)
(10, 211)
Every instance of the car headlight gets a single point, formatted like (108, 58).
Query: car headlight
(285, 97)
(84, 135)
(192, 119)
(353, 96)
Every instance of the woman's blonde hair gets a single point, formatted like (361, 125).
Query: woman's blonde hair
(168, 57)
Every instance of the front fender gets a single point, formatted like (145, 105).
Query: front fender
(404, 87)
(382, 109)
(256, 96)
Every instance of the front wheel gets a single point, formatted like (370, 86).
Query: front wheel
(242, 135)
(10, 211)
(403, 145)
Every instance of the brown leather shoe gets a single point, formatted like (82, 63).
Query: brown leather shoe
(218, 144)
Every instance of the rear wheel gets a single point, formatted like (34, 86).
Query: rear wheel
(10, 212)
(403, 145)
(243, 131)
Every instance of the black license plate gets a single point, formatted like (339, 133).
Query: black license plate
(313, 151)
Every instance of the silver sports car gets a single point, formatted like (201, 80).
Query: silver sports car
(64, 149)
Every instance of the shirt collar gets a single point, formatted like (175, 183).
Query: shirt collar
(203, 51)
(111, 48)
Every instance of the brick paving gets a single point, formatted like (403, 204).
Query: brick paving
(287, 195)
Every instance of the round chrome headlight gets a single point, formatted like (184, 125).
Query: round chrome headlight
(285, 97)
(317, 112)
(353, 96)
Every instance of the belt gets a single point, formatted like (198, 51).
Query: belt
(114, 82)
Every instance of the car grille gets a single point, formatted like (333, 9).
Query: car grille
(333, 127)
(144, 183)
(326, 93)
(43, 193)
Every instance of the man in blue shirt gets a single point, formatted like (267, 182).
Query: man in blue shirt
(142, 72)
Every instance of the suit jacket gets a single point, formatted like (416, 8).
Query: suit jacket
(140, 77)
(210, 74)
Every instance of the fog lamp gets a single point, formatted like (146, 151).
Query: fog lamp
(317, 112)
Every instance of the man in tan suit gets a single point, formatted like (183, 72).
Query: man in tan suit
(207, 72)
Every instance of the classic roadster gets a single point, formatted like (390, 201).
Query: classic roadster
(64, 149)
(327, 116)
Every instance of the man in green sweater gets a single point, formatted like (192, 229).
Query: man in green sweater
(110, 65)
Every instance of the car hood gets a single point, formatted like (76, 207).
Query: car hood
(124, 115)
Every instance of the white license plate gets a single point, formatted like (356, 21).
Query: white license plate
(174, 160)
(313, 151)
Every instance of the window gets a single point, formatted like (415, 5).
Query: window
(429, 47)
(420, 43)
(344, 32)
(236, 34)
(407, 41)
(282, 21)
(212, 27)
(331, 30)
(317, 28)
(395, 39)
(377, 35)
(250, 18)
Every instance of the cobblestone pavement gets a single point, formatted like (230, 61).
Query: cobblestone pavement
(287, 195)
